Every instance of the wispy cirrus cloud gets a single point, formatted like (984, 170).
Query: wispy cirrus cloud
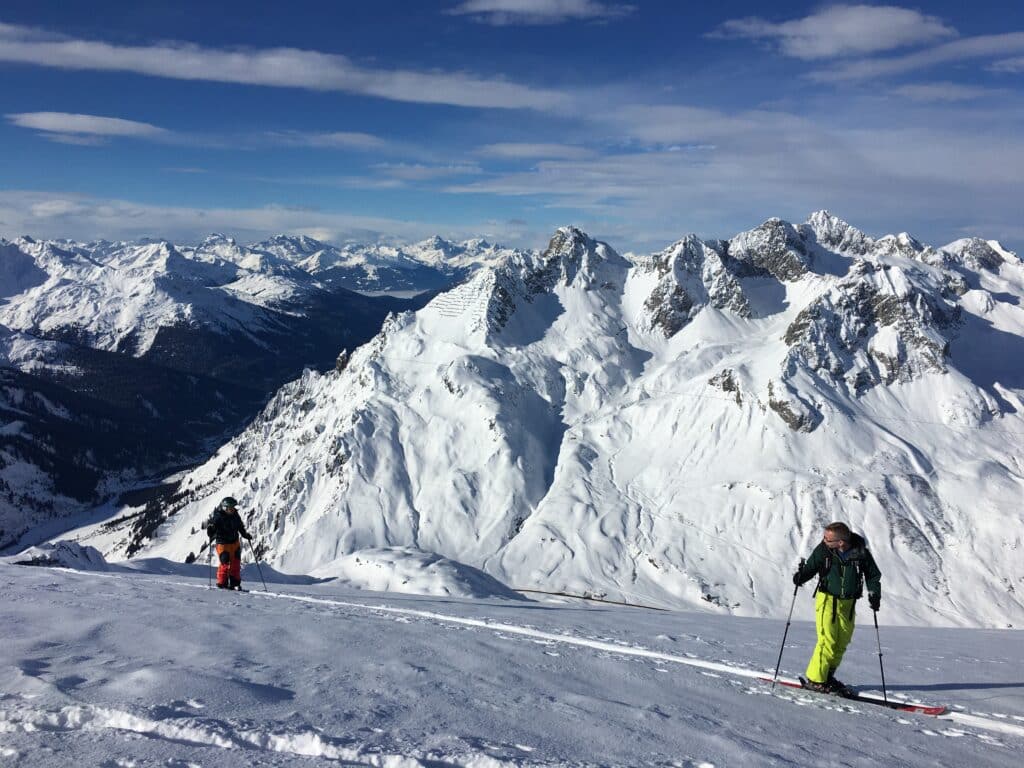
(274, 67)
(1012, 66)
(420, 172)
(535, 151)
(966, 49)
(941, 92)
(884, 174)
(538, 12)
(841, 30)
(70, 128)
(328, 139)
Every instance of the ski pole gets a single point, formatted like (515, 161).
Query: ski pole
(256, 560)
(788, 620)
(880, 667)
(209, 559)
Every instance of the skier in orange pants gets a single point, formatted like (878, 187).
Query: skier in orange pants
(225, 526)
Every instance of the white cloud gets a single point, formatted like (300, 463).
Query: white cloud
(916, 176)
(527, 151)
(535, 12)
(71, 128)
(981, 47)
(842, 30)
(329, 139)
(1012, 66)
(419, 172)
(55, 208)
(941, 92)
(277, 67)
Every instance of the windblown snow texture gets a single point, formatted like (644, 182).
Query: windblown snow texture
(320, 675)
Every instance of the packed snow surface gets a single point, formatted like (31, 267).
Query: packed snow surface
(403, 569)
(142, 664)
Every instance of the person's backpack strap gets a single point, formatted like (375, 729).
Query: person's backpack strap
(826, 566)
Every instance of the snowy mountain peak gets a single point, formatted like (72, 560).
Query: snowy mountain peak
(832, 232)
(692, 275)
(902, 245)
(977, 254)
(439, 243)
(574, 258)
(774, 249)
(217, 238)
(287, 246)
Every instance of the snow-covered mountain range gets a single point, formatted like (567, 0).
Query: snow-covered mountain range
(120, 359)
(672, 429)
(432, 264)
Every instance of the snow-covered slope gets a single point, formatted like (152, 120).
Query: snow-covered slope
(671, 431)
(145, 666)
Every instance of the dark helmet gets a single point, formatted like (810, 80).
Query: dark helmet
(227, 502)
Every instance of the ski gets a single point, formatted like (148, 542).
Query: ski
(902, 706)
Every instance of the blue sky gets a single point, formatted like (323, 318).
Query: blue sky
(640, 121)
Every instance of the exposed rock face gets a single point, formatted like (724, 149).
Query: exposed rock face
(693, 275)
(800, 415)
(972, 253)
(880, 324)
(775, 248)
(576, 259)
(833, 233)
(726, 381)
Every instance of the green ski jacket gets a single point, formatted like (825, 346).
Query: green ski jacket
(843, 578)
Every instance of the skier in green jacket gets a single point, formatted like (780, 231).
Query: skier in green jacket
(843, 565)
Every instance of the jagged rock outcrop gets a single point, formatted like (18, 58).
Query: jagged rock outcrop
(881, 324)
(692, 275)
(833, 233)
(775, 248)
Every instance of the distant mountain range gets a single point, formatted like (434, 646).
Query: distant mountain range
(671, 429)
(120, 360)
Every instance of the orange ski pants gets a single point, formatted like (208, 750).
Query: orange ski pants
(230, 571)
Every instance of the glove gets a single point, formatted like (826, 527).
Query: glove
(874, 601)
(247, 536)
(798, 578)
(209, 532)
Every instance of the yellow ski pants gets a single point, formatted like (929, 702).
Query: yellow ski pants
(834, 620)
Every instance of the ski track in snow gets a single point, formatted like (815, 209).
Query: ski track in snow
(711, 666)
(310, 743)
